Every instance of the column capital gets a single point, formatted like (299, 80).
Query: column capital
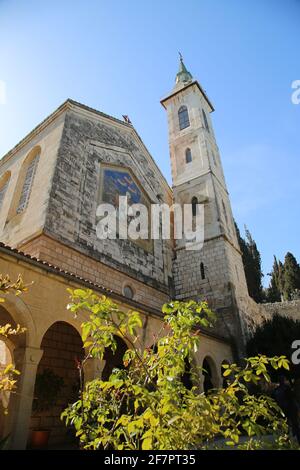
(28, 355)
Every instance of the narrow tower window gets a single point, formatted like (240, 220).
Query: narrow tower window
(214, 158)
(205, 120)
(188, 156)
(202, 270)
(183, 117)
(224, 210)
(27, 185)
(237, 273)
(194, 206)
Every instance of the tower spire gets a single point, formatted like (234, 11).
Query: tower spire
(183, 75)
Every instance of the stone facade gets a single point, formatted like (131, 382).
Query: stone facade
(64, 198)
(52, 240)
(88, 142)
(51, 339)
(87, 267)
(15, 228)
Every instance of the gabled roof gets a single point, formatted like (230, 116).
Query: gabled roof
(70, 104)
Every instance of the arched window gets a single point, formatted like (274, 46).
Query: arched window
(205, 120)
(128, 292)
(188, 156)
(28, 182)
(4, 181)
(183, 117)
(202, 271)
(194, 206)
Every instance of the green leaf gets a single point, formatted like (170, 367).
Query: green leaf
(147, 443)
(86, 329)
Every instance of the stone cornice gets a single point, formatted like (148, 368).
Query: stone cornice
(176, 92)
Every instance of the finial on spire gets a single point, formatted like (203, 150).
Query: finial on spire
(183, 76)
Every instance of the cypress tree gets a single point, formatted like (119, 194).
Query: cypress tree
(280, 278)
(291, 276)
(273, 293)
(255, 271)
(252, 265)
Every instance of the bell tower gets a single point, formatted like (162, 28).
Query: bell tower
(216, 271)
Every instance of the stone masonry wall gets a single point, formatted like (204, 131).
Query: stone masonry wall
(88, 142)
(21, 226)
(75, 262)
(216, 288)
(289, 309)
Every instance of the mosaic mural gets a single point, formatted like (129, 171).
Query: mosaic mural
(117, 182)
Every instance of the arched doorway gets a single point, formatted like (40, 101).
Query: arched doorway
(209, 373)
(187, 376)
(62, 349)
(114, 359)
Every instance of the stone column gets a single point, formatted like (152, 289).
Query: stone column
(201, 382)
(26, 361)
(219, 378)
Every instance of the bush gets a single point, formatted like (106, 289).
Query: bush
(146, 405)
(274, 338)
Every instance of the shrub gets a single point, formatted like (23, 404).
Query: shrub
(146, 405)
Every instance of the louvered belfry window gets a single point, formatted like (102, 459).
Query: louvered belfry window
(183, 117)
(27, 185)
(205, 120)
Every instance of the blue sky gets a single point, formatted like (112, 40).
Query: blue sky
(121, 57)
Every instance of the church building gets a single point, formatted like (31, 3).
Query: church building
(51, 184)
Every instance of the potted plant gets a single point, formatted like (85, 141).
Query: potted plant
(48, 386)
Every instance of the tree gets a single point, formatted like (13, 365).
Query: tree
(255, 274)
(285, 280)
(274, 337)
(291, 276)
(281, 278)
(273, 292)
(252, 265)
(146, 405)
